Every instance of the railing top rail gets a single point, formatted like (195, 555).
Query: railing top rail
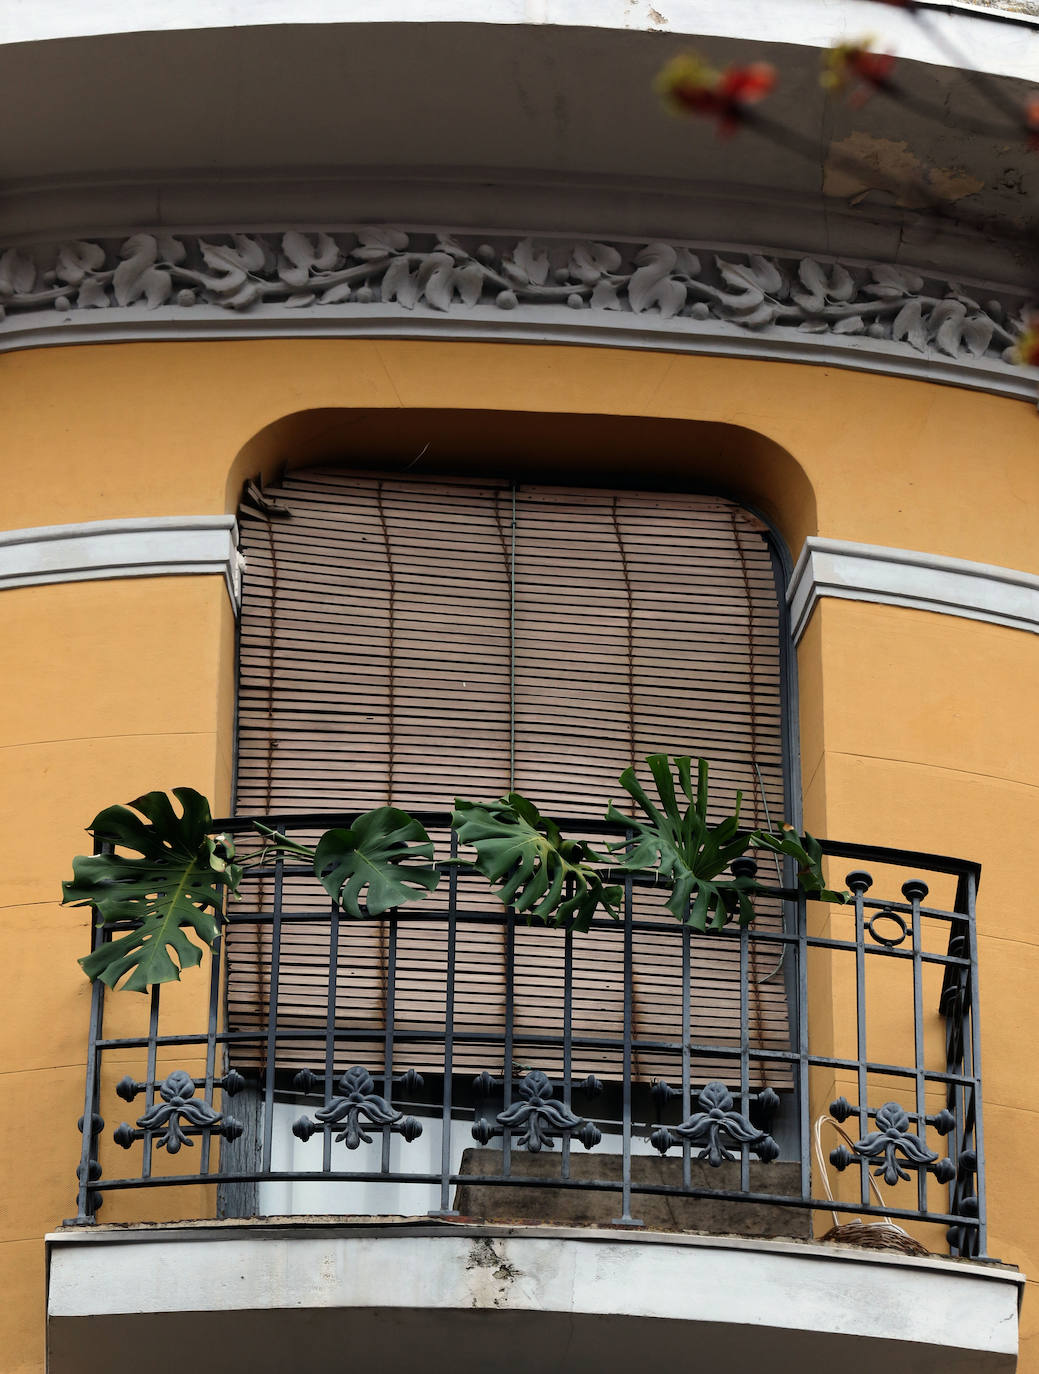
(906, 858)
(861, 853)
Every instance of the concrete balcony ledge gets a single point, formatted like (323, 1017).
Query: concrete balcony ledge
(257, 1294)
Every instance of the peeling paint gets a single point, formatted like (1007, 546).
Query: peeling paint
(492, 1275)
(894, 162)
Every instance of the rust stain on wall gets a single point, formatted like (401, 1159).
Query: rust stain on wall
(898, 170)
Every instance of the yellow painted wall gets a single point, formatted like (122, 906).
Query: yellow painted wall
(141, 429)
(915, 727)
(111, 689)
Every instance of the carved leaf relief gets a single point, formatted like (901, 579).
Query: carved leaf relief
(17, 274)
(526, 266)
(446, 271)
(909, 325)
(375, 243)
(75, 260)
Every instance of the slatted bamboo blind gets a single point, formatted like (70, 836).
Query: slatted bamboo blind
(413, 640)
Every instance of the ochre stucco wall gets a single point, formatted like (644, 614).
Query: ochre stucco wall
(915, 727)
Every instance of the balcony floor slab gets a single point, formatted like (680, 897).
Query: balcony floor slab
(258, 1294)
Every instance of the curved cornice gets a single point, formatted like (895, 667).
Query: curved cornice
(160, 546)
(381, 281)
(168, 545)
(908, 578)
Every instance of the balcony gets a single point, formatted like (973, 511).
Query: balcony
(767, 1140)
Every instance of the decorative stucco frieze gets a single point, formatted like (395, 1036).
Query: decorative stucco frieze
(315, 277)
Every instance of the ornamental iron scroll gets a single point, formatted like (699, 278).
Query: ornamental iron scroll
(893, 1144)
(179, 1114)
(717, 1118)
(536, 1118)
(451, 271)
(356, 1099)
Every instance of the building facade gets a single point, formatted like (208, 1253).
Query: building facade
(403, 406)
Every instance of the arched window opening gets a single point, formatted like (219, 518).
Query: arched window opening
(414, 639)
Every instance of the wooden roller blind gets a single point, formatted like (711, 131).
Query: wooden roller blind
(414, 639)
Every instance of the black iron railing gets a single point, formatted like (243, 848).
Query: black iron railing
(430, 1058)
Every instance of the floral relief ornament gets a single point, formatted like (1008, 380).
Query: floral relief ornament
(536, 1118)
(178, 1113)
(716, 1120)
(355, 1101)
(893, 1146)
(384, 265)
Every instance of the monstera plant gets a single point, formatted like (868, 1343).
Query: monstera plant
(162, 875)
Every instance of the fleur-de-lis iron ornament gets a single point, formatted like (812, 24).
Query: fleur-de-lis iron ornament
(356, 1099)
(893, 1139)
(717, 1118)
(178, 1114)
(536, 1118)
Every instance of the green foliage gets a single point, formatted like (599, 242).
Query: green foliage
(378, 852)
(523, 854)
(809, 855)
(182, 874)
(178, 882)
(679, 844)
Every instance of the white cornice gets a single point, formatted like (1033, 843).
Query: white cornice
(158, 547)
(1000, 37)
(903, 577)
(386, 282)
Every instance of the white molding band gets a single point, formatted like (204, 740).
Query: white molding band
(172, 544)
(161, 546)
(902, 577)
(386, 282)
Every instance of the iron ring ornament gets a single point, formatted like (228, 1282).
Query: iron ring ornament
(893, 940)
(893, 1145)
(178, 1114)
(716, 1120)
(355, 1101)
(537, 1118)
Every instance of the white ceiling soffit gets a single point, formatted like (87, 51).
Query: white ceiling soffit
(512, 116)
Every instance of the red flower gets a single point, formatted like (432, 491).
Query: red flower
(857, 65)
(690, 85)
(1026, 348)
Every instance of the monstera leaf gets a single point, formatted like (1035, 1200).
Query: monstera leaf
(809, 855)
(680, 845)
(378, 852)
(177, 883)
(525, 856)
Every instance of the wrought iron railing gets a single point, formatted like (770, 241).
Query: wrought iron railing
(429, 1059)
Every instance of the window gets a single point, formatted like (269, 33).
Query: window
(413, 639)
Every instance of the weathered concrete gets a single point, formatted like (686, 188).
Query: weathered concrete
(660, 1212)
(266, 1297)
